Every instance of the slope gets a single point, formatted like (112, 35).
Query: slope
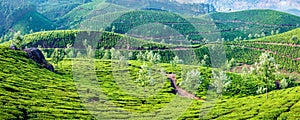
(33, 22)
(172, 6)
(30, 92)
(281, 104)
(251, 24)
(284, 47)
(21, 16)
(27, 88)
(86, 12)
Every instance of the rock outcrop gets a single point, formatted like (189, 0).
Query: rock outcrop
(36, 55)
(179, 91)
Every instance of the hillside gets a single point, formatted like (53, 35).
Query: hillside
(10, 12)
(87, 12)
(21, 17)
(172, 6)
(258, 23)
(26, 88)
(148, 60)
(30, 92)
(284, 47)
(33, 22)
(282, 104)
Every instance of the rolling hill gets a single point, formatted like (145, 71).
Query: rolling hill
(258, 23)
(172, 6)
(113, 62)
(86, 12)
(29, 91)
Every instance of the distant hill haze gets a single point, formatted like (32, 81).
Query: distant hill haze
(290, 6)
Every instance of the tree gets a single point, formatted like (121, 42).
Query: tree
(204, 61)
(221, 81)
(18, 40)
(294, 39)
(229, 64)
(106, 55)
(140, 56)
(266, 68)
(272, 32)
(78, 55)
(122, 62)
(89, 49)
(57, 56)
(250, 36)
(175, 61)
(153, 58)
(69, 51)
(192, 81)
(277, 32)
(283, 83)
(263, 34)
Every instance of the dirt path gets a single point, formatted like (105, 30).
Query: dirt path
(179, 91)
(282, 44)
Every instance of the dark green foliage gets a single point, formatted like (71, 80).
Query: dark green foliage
(133, 19)
(21, 16)
(166, 5)
(33, 22)
(12, 11)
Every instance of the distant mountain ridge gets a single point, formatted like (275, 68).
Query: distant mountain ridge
(290, 6)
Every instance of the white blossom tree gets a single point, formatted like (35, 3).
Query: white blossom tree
(221, 81)
(192, 81)
(266, 68)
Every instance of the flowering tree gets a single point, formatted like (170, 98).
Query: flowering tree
(266, 68)
(221, 81)
(192, 81)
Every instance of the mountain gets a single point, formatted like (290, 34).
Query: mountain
(172, 6)
(22, 17)
(290, 6)
(54, 9)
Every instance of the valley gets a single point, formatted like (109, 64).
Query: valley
(123, 60)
